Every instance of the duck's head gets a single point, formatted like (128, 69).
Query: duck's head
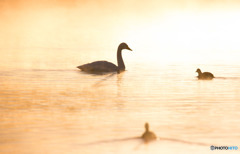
(124, 46)
(146, 126)
(198, 70)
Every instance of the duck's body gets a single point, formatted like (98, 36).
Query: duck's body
(204, 75)
(105, 66)
(148, 136)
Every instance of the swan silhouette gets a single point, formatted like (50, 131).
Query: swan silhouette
(148, 136)
(105, 66)
(204, 75)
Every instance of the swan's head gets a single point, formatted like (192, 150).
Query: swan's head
(198, 70)
(124, 46)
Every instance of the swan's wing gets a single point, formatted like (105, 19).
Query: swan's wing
(99, 66)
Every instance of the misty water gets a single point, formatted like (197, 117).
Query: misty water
(47, 105)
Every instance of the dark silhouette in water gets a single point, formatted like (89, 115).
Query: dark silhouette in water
(204, 75)
(148, 136)
(99, 67)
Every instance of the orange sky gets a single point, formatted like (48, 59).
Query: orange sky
(75, 23)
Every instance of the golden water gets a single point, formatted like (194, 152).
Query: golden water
(49, 106)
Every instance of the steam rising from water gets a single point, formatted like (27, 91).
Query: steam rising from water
(71, 23)
(172, 27)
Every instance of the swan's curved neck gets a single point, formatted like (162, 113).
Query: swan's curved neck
(121, 65)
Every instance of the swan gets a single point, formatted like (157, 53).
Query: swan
(105, 66)
(204, 75)
(148, 136)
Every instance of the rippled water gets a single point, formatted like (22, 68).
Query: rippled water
(50, 107)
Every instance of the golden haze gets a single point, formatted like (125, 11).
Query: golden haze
(174, 27)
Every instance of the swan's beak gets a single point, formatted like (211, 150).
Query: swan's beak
(129, 49)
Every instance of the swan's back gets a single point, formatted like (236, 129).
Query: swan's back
(98, 66)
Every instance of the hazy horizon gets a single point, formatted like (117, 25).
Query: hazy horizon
(172, 28)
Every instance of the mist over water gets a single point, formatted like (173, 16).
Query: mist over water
(192, 32)
(93, 24)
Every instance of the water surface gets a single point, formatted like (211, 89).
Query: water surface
(49, 106)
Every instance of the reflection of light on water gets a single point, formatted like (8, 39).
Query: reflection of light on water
(64, 109)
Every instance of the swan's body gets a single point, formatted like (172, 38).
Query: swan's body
(105, 66)
(148, 136)
(99, 66)
(204, 75)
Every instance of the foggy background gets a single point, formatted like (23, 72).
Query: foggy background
(178, 27)
(71, 23)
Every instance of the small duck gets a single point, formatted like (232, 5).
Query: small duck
(204, 75)
(148, 136)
